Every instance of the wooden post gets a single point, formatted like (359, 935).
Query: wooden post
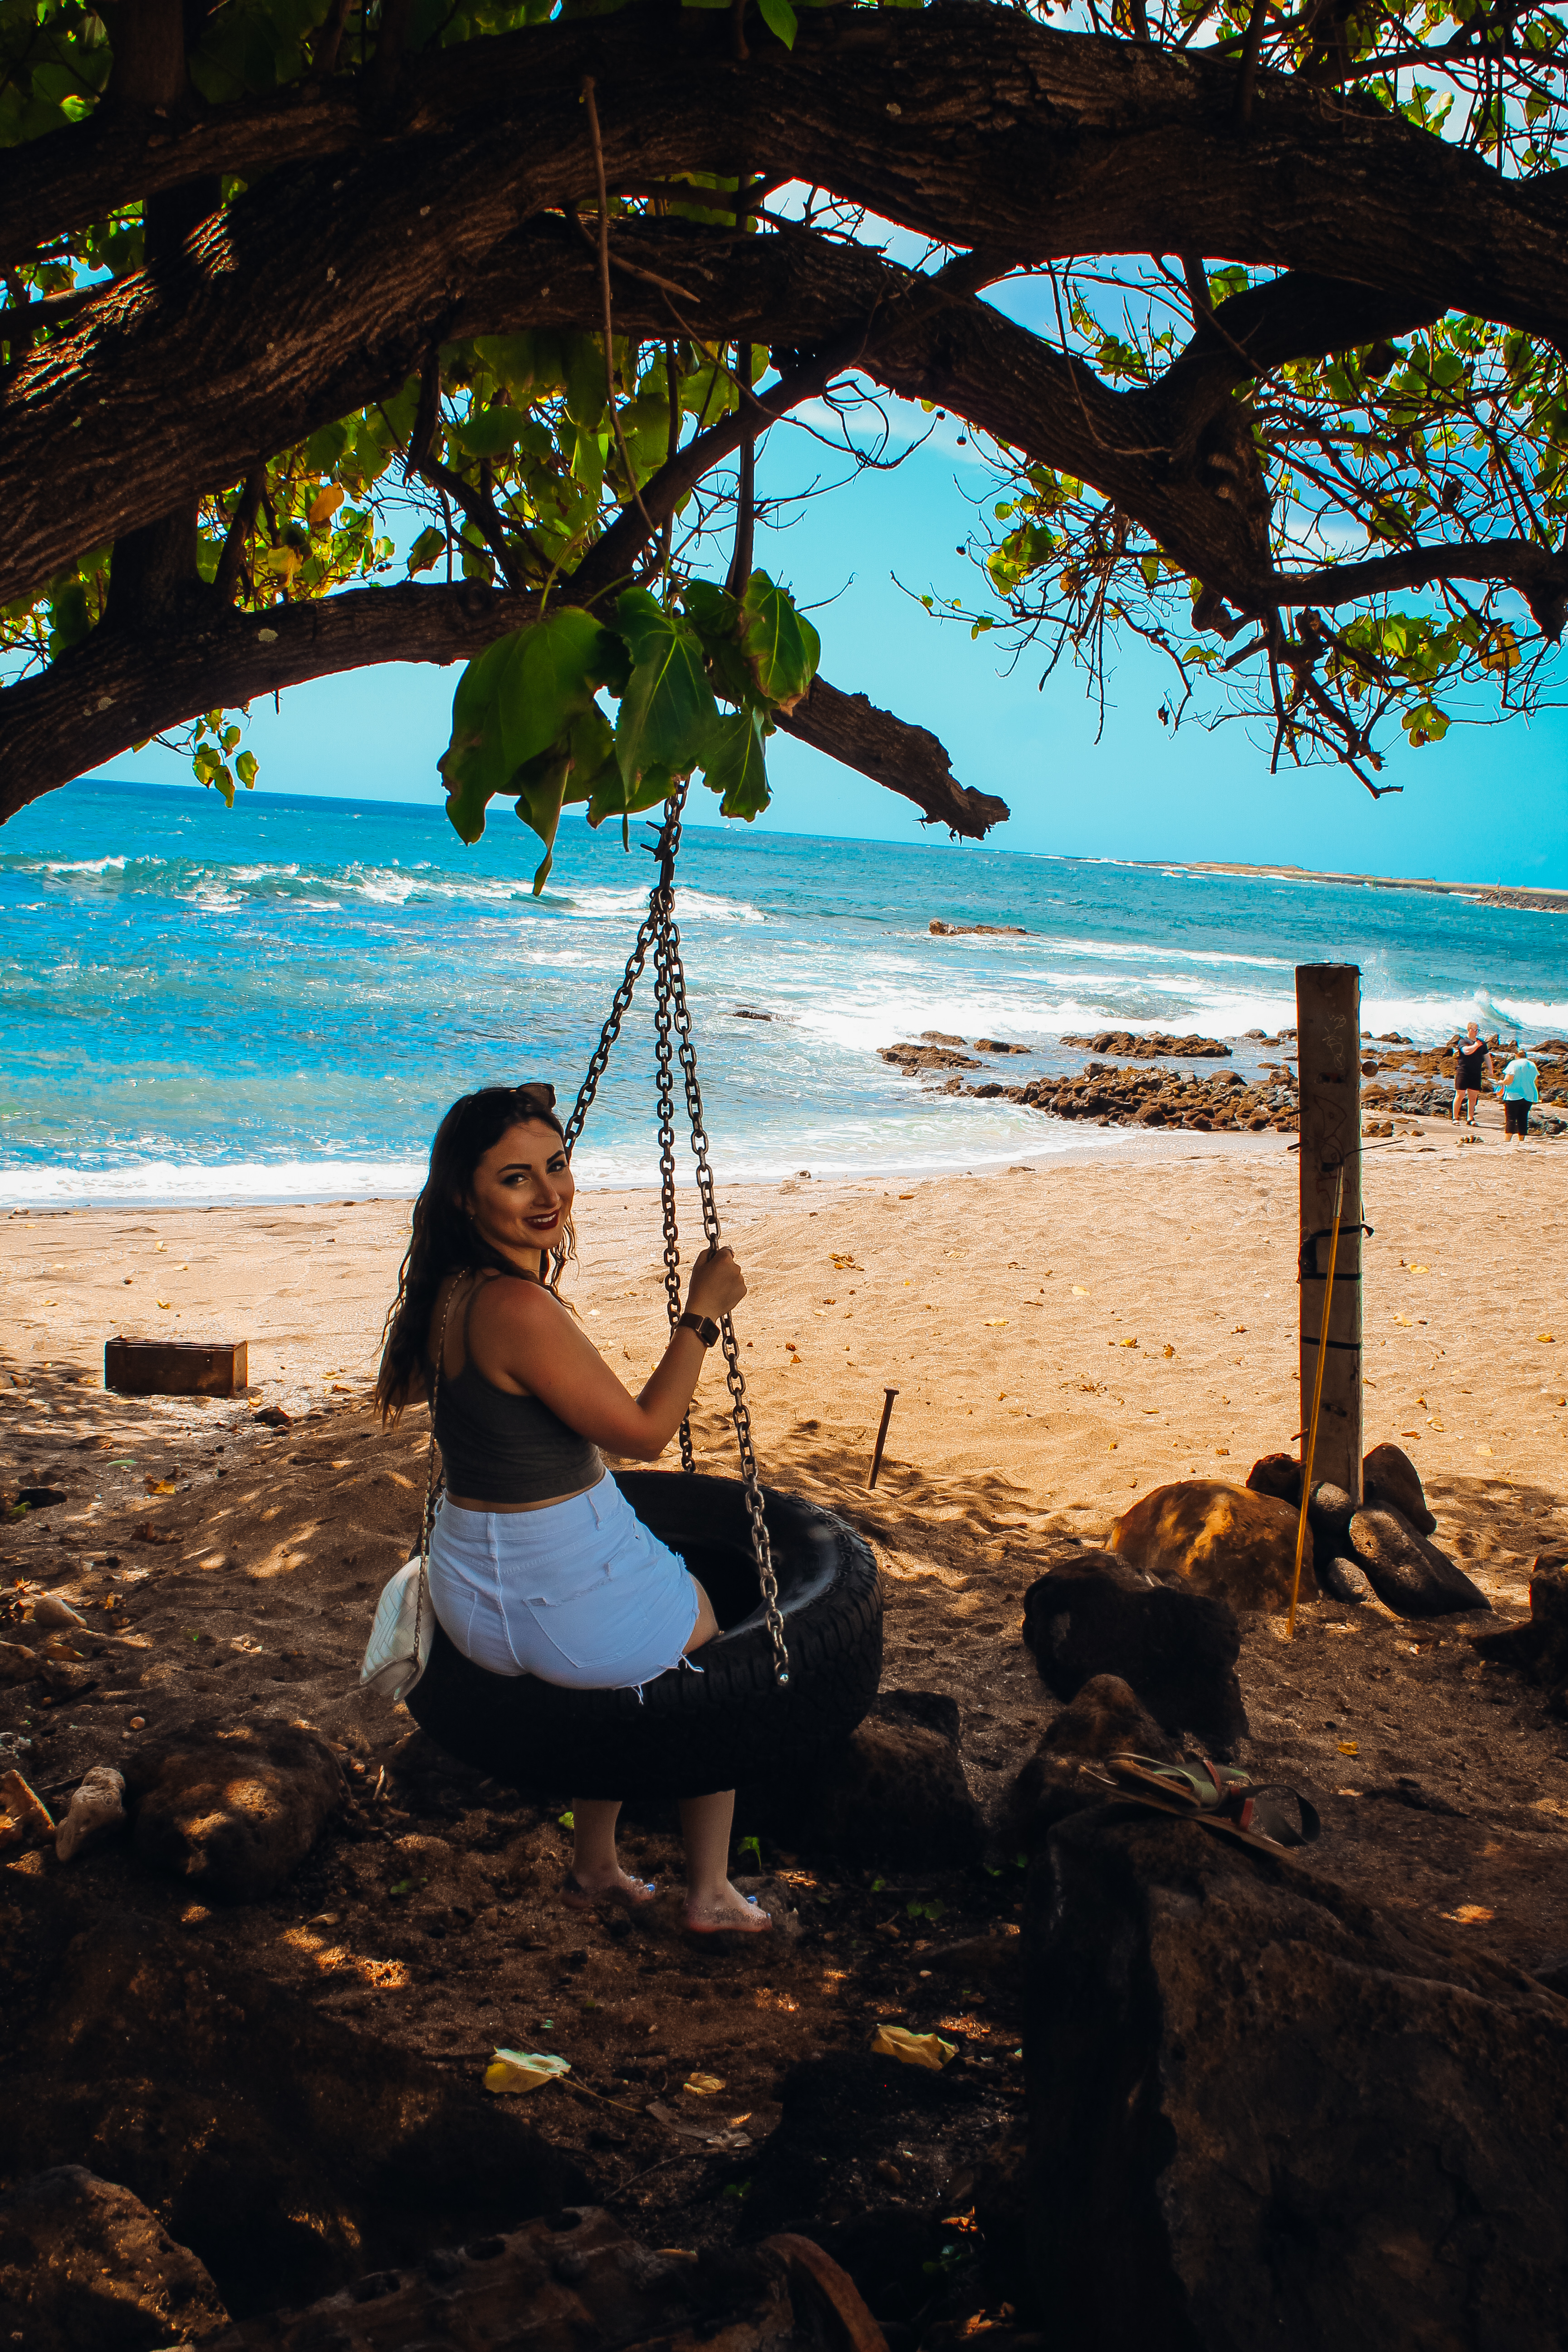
(1328, 1040)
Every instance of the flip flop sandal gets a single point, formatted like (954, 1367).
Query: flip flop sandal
(581, 1898)
(1219, 1797)
(717, 1929)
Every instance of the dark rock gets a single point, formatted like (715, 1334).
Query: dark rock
(1265, 2113)
(288, 2151)
(1552, 1972)
(84, 2267)
(1108, 1719)
(234, 1811)
(996, 1045)
(1410, 1576)
(910, 1058)
(1539, 1648)
(1094, 1615)
(941, 1037)
(1344, 1580)
(1145, 1049)
(968, 931)
(1330, 1512)
(894, 1792)
(1278, 1475)
(1390, 1477)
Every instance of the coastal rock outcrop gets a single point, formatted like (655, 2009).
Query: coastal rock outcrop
(1094, 1615)
(941, 930)
(234, 1812)
(1149, 1097)
(1263, 2111)
(1149, 1049)
(910, 1058)
(1223, 1539)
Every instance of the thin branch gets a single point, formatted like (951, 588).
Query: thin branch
(604, 296)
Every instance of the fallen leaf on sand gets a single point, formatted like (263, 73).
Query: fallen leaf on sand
(158, 1485)
(1543, 1338)
(1079, 1290)
(1420, 1269)
(995, 1322)
(705, 2086)
(928, 2049)
(1469, 1915)
(1349, 1748)
(1483, 1449)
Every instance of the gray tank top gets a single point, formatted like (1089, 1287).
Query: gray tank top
(499, 1448)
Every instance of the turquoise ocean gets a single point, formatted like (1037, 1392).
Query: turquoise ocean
(276, 1002)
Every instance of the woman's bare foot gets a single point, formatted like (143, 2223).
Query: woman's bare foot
(581, 1890)
(729, 1914)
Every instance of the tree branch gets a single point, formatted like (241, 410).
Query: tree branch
(119, 688)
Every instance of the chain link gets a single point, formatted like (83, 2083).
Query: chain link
(672, 1039)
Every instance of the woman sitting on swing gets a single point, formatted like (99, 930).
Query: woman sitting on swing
(538, 1564)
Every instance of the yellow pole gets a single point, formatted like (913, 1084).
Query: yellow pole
(1307, 1459)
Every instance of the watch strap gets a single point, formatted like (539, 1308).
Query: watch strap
(704, 1326)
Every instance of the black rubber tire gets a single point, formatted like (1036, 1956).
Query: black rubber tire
(690, 1732)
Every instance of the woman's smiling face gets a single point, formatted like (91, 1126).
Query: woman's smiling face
(523, 1189)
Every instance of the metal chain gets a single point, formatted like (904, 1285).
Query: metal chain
(672, 1016)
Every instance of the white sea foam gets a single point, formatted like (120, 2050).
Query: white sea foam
(160, 1182)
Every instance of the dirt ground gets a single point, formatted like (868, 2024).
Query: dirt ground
(226, 1569)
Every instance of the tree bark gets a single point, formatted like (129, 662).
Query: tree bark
(120, 687)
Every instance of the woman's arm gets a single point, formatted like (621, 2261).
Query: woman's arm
(519, 1329)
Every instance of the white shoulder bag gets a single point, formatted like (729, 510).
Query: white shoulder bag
(404, 1625)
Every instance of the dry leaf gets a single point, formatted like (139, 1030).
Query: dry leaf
(1469, 1915)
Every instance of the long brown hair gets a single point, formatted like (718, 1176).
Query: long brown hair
(445, 1240)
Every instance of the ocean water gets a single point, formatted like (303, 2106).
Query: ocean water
(276, 1002)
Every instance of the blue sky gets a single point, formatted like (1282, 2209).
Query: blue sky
(1488, 805)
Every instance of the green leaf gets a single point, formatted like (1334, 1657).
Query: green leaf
(586, 395)
(540, 805)
(474, 764)
(780, 19)
(246, 768)
(781, 648)
(668, 711)
(425, 549)
(555, 668)
(489, 432)
(733, 766)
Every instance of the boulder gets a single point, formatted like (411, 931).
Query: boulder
(894, 1792)
(289, 2151)
(1108, 1719)
(85, 2267)
(1408, 1574)
(1330, 1512)
(1278, 1475)
(1223, 1539)
(1344, 1580)
(1539, 1648)
(234, 1811)
(1092, 1614)
(1389, 1477)
(1263, 2112)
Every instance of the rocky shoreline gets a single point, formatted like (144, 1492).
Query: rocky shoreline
(1400, 1080)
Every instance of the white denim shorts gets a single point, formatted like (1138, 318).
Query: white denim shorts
(579, 1592)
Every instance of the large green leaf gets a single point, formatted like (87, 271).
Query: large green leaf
(540, 805)
(781, 648)
(489, 432)
(668, 710)
(474, 763)
(733, 766)
(586, 394)
(557, 666)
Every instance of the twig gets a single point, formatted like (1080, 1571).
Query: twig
(604, 296)
(1249, 54)
(324, 58)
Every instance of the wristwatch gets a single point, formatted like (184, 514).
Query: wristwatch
(704, 1326)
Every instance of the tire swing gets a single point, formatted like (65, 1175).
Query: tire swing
(795, 1589)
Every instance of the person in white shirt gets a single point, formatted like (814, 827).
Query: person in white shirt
(1519, 1088)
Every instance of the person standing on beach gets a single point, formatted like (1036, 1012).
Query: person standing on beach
(1520, 1088)
(1474, 1064)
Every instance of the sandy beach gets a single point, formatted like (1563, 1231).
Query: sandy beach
(1061, 1339)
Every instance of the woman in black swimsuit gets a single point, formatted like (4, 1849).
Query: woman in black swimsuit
(1474, 1064)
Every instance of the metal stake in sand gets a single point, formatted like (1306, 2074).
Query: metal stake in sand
(1309, 1455)
(888, 1396)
